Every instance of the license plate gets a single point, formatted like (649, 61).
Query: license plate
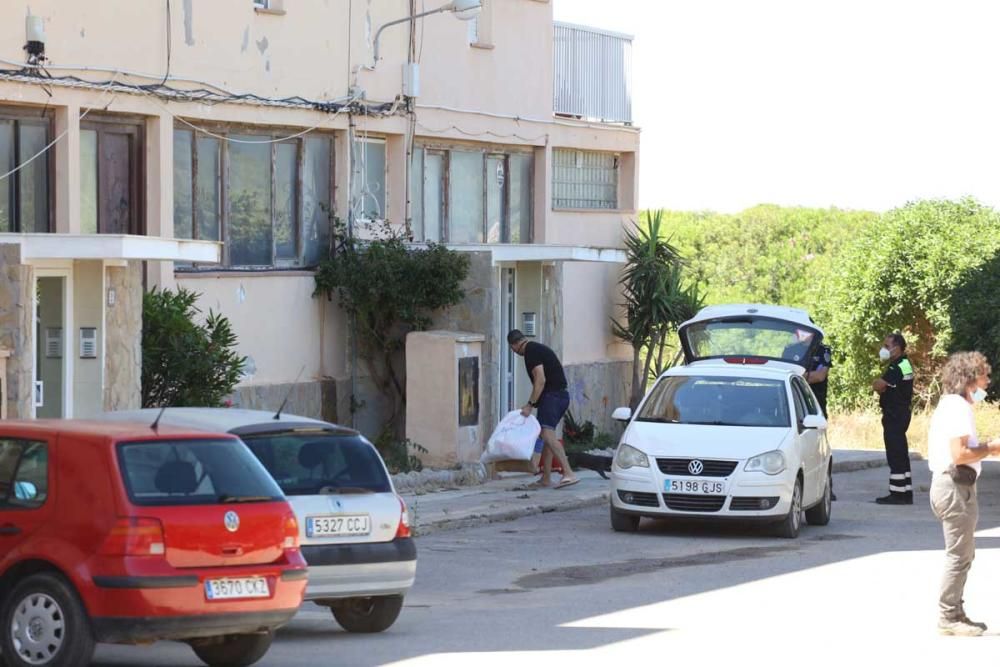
(340, 525)
(695, 486)
(236, 589)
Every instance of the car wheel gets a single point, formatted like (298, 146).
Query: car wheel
(233, 650)
(789, 527)
(368, 614)
(819, 515)
(623, 523)
(45, 625)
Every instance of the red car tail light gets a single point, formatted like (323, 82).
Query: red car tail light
(135, 536)
(745, 360)
(404, 521)
(291, 526)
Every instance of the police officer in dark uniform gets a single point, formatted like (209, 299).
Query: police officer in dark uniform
(817, 373)
(895, 389)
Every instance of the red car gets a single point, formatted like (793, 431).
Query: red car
(126, 533)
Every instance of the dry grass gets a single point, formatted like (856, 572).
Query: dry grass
(863, 430)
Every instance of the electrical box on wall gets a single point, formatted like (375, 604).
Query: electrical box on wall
(411, 80)
(88, 342)
(528, 324)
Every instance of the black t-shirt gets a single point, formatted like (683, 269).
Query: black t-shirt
(536, 354)
(822, 359)
(898, 396)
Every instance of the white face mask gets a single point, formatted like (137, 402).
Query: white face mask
(978, 395)
(884, 354)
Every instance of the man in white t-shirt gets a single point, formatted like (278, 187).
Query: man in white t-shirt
(954, 455)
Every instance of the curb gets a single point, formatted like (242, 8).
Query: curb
(484, 518)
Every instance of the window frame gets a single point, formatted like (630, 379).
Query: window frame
(41, 117)
(362, 142)
(5, 504)
(134, 127)
(562, 206)
(486, 151)
(224, 212)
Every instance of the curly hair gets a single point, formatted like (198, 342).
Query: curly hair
(961, 370)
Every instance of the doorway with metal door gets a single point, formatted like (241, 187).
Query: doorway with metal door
(51, 381)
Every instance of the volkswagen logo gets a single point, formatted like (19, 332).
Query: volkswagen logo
(696, 467)
(232, 521)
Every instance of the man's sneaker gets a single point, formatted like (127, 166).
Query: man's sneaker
(981, 626)
(895, 499)
(960, 628)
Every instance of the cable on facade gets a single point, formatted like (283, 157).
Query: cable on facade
(499, 135)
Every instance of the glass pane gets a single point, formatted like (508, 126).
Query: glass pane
(417, 194)
(316, 211)
(88, 181)
(496, 175)
(209, 188)
(33, 180)
(285, 175)
(730, 401)
(250, 239)
(433, 196)
(751, 336)
(465, 209)
(31, 486)
(6, 164)
(182, 184)
(368, 184)
(520, 198)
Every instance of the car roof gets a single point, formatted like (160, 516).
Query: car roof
(133, 429)
(226, 420)
(787, 313)
(715, 366)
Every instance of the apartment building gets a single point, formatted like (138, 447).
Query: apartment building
(208, 144)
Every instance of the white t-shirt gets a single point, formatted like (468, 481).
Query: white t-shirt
(952, 418)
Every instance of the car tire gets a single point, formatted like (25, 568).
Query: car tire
(622, 522)
(233, 650)
(368, 615)
(43, 615)
(819, 515)
(789, 526)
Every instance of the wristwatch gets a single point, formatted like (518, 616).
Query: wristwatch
(533, 404)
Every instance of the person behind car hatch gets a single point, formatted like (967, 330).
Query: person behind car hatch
(954, 453)
(549, 396)
(895, 389)
(817, 371)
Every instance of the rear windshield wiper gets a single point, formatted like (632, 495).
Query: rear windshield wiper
(330, 490)
(228, 498)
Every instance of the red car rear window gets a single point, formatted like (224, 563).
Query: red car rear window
(194, 472)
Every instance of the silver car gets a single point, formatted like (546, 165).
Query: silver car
(353, 527)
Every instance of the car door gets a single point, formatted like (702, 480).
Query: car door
(811, 441)
(24, 493)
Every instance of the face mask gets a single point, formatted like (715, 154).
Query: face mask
(978, 395)
(884, 354)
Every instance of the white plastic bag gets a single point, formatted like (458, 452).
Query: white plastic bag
(514, 438)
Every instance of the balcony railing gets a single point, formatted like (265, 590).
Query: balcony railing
(593, 74)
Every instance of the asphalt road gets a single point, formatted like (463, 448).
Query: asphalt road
(563, 587)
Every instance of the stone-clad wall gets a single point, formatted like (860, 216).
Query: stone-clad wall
(596, 389)
(16, 301)
(123, 338)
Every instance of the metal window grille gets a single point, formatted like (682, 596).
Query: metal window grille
(592, 74)
(584, 179)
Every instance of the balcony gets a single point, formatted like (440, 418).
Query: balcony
(593, 74)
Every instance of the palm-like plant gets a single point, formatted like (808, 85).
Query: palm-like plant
(656, 301)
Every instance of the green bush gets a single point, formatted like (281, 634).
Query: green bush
(185, 363)
(975, 316)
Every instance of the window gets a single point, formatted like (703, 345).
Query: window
(584, 179)
(262, 4)
(812, 407)
(24, 195)
(194, 472)
(717, 400)
(24, 474)
(271, 205)
(368, 179)
(110, 177)
(467, 196)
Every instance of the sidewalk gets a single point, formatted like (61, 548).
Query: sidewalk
(506, 499)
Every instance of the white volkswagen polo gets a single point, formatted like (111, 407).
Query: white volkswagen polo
(735, 433)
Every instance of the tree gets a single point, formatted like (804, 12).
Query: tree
(656, 301)
(185, 363)
(390, 288)
(905, 274)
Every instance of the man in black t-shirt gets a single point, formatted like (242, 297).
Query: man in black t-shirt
(549, 396)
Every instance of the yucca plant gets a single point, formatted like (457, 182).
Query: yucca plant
(656, 300)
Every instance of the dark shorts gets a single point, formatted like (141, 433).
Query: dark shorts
(552, 407)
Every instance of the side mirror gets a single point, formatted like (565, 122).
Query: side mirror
(622, 414)
(814, 421)
(25, 491)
